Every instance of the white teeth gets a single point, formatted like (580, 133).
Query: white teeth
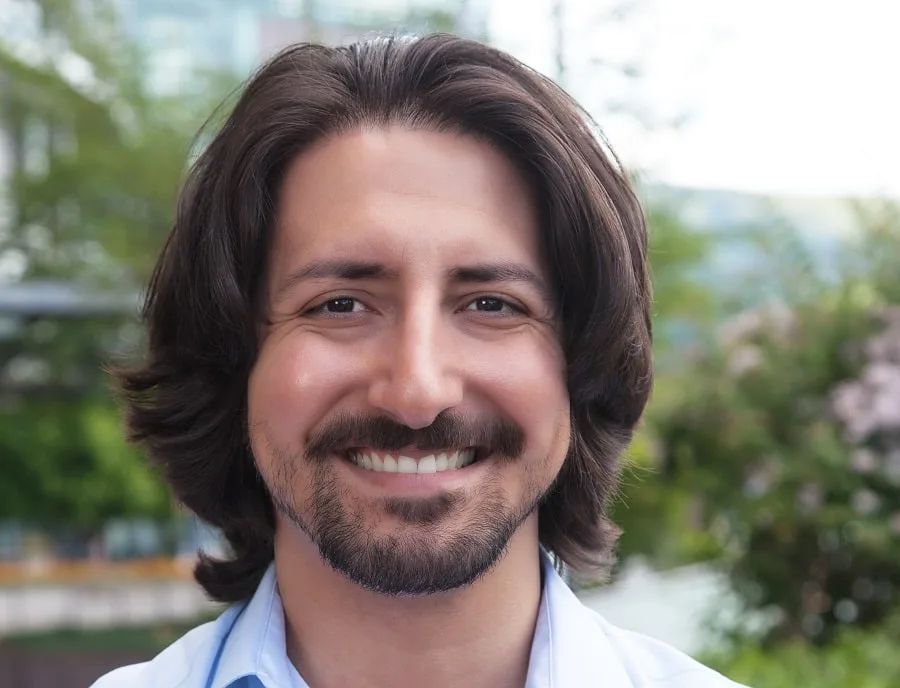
(428, 464)
(433, 463)
(406, 464)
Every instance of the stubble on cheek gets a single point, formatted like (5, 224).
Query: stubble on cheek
(278, 467)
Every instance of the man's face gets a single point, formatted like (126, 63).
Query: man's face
(408, 408)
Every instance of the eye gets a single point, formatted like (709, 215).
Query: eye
(339, 305)
(494, 305)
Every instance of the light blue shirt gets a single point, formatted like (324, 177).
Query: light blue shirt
(573, 647)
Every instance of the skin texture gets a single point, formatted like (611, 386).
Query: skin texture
(413, 336)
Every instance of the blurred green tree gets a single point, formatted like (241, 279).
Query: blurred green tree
(861, 659)
(684, 312)
(96, 156)
(787, 429)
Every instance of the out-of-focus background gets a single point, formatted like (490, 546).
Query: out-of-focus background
(761, 504)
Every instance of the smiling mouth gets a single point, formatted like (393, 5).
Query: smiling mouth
(397, 462)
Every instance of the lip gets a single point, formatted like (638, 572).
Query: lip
(413, 483)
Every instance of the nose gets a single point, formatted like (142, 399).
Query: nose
(419, 377)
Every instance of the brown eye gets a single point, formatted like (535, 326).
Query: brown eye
(339, 305)
(492, 304)
(344, 304)
(488, 304)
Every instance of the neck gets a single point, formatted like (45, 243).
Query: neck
(339, 634)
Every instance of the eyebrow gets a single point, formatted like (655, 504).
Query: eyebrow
(482, 273)
(492, 273)
(334, 269)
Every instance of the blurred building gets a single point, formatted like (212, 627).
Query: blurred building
(182, 37)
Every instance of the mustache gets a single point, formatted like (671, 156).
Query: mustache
(491, 434)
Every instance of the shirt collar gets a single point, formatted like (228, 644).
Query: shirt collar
(256, 645)
(569, 647)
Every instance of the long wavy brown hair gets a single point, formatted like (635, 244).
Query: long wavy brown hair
(186, 401)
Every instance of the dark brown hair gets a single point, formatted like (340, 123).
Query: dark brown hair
(187, 401)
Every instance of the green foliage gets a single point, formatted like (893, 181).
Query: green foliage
(96, 161)
(66, 465)
(861, 659)
(684, 310)
(676, 253)
(876, 257)
(792, 463)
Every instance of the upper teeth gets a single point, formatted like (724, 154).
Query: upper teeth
(398, 463)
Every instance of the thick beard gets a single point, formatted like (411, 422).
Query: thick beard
(426, 558)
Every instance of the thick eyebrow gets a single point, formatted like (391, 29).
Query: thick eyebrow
(484, 273)
(492, 273)
(333, 269)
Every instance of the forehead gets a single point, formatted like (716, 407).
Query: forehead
(407, 195)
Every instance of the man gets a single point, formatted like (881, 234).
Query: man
(398, 339)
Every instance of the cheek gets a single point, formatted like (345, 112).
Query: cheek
(295, 382)
(526, 379)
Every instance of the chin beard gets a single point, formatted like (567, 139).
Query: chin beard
(431, 553)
